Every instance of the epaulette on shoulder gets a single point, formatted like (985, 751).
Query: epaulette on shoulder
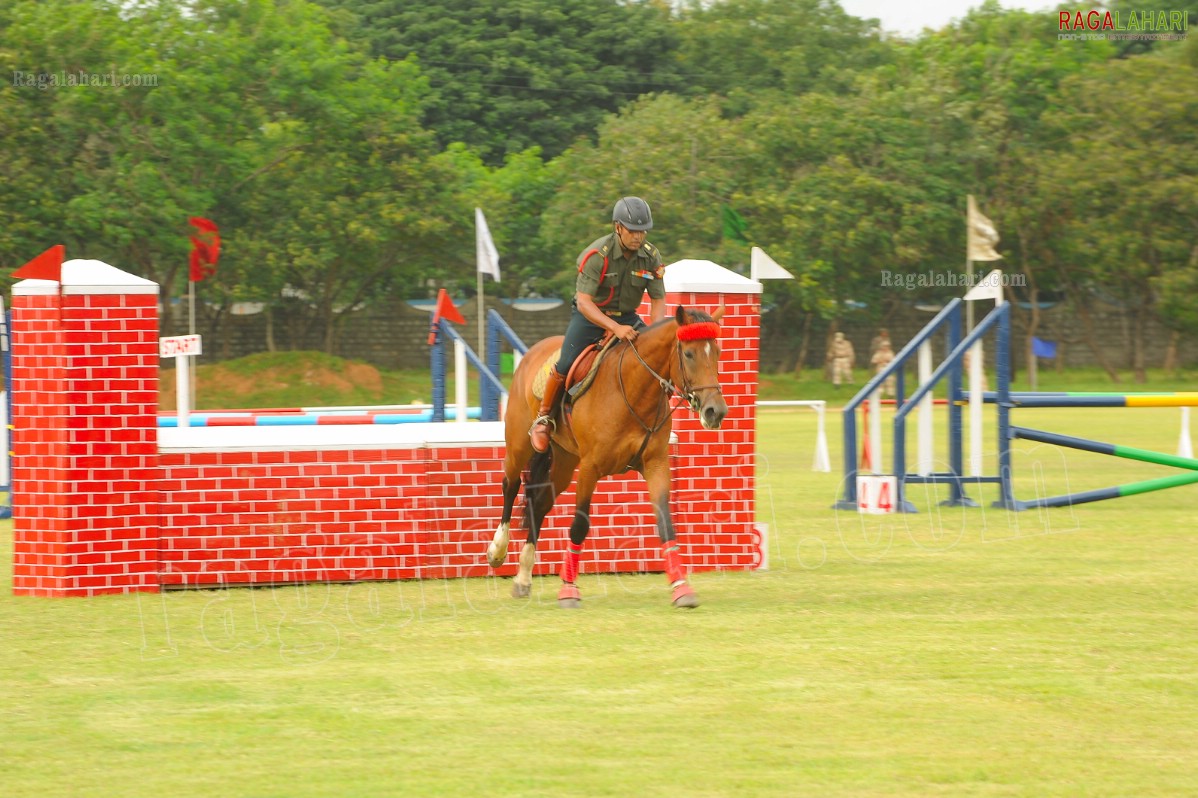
(652, 250)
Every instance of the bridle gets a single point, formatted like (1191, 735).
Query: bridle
(691, 392)
(666, 408)
(688, 393)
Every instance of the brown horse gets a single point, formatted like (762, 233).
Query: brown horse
(621, 423)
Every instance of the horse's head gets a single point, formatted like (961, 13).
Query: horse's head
(698, 364)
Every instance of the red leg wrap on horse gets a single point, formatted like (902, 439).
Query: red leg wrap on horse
(673, 556)
(570, 566)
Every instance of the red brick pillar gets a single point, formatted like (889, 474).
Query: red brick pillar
(86, 514)
(713, 492)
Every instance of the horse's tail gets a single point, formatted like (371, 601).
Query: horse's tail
(538, 489)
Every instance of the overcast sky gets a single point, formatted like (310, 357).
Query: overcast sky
(909, 17)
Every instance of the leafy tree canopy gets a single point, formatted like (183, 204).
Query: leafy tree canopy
(507, 76)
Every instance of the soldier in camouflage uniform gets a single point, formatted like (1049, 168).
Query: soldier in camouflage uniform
(882, 358)
(883, 335)
(841, 356)
(614, 274)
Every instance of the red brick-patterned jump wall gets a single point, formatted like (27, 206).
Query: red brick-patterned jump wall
(85, 457)
(100, 507)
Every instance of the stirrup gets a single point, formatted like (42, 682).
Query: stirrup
(541, 433)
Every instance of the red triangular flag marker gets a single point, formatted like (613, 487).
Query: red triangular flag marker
(445, 310)
(46, 266)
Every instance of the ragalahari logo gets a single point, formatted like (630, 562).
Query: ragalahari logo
(1122, 25)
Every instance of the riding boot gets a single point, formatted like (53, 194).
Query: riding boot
(542, 427)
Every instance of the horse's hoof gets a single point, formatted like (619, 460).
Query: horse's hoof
(685, 596)
(495, 561)
(568, 598)
(520, 591)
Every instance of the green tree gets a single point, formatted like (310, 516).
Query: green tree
(995, 74)
(853, 191)
(1125, 176)
(358, 211)
(512, 197)
(751, 51)
(507, 76)
(1125, 8)
(681, 156)
(84, 171)
(306, 152)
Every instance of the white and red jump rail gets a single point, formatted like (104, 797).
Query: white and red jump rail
(104, 501)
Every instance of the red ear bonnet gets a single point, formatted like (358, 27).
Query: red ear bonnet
(699, 331)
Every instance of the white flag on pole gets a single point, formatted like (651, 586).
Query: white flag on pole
(488, 256)
(981, 236)
(763, 267)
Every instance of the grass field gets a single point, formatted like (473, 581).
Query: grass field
(956, 653)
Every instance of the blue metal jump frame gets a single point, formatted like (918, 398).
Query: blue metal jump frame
(948, 320)
(1000, 317)
(497, 329)
(491, 388)
(437, 358)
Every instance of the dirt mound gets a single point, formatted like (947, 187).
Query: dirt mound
(278, 379)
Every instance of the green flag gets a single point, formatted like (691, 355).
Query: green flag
(734, 225)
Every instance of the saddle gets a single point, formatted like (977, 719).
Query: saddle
(582, 372)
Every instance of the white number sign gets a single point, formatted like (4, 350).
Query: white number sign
(876, 494)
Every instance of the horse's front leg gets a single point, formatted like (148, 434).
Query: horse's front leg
(497, 551)
(568, 595)
(548, 478)
(538, 501)
(657, 475)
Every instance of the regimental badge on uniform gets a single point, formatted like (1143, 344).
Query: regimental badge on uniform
(660, 272)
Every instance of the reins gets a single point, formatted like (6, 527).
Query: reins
(667, 387)
(688, 393)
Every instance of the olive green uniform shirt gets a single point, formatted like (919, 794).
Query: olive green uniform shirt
(626, 280)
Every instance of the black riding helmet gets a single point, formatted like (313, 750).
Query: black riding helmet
(633, 213)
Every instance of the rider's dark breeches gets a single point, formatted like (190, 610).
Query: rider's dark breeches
(581, 333)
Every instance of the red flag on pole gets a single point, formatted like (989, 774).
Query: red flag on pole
(445, 310)
(46, 266)
(205, 248)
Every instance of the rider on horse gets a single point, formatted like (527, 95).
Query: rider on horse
(614, 273)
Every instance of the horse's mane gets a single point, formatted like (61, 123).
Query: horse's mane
(694, 314)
